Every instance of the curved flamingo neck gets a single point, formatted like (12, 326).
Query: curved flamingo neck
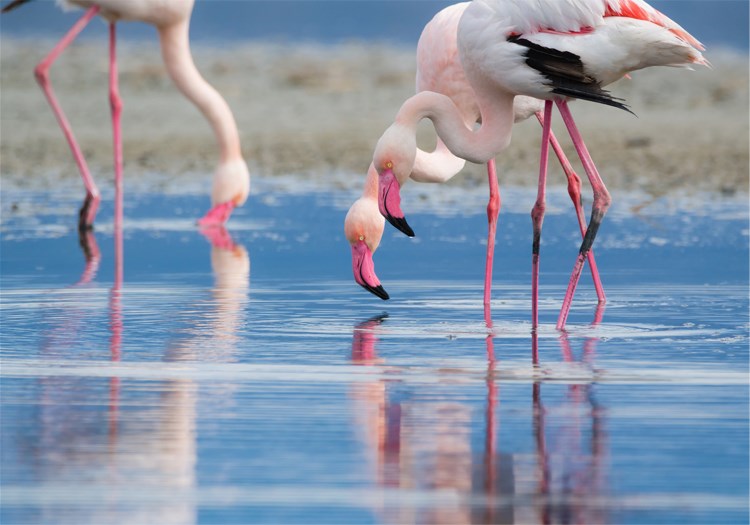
(479, 145)
(371, 183)
(175, 48)
(437, 166)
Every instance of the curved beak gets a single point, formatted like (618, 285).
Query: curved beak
(364, 270)
(389, 202)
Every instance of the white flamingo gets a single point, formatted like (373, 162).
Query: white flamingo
(439, 70)
(549, 49)
(231, 182)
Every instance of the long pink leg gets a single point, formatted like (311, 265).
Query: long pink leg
(537, 215)
(493, 210)
(116, 105)
(574, 190)
(91, 203)
(601, 204)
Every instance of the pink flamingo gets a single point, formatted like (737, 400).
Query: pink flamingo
(551, 50)
(439, 70)
(231, 182)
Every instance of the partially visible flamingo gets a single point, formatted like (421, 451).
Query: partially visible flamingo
(549, 49)
(231, 182)
(439, 70)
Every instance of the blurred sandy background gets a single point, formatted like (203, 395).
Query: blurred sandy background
(318, 112)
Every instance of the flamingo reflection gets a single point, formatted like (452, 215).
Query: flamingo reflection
(413, 442)
(135, 442)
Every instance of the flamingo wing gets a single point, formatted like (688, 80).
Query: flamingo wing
(640, 10)
(565, 73)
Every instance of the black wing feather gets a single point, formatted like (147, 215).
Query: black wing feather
(565, 73)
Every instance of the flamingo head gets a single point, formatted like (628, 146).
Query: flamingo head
(394, 159)
(363, 228)
(230, 189)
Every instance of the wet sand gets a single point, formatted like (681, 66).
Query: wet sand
(318, 112)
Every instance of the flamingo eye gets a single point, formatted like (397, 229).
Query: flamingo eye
(389, 164)
(361, 237)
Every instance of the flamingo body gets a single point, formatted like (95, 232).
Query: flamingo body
(560, 49)
(567, 47)
(154, 12)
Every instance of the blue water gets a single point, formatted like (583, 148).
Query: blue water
(253, 382)
(716, 23)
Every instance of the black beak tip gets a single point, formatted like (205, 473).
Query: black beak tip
(378, 290)
(401, 225)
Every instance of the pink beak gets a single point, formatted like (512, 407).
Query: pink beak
(364, 270)
(389, 202)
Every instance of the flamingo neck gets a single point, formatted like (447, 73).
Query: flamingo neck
(437, 166)
(175, 48)
(479, 145)
(371, 183)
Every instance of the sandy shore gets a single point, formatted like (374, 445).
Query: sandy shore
(318, 111)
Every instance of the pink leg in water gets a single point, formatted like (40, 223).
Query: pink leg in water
(574, 190)
(601, 204)
(116, 105)
(91, 203)
(493, 210)
(537, 215)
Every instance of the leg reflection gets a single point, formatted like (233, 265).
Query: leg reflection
(572, 470)
(421, 439)
(131, 441)
(589, 346)
(91, 254)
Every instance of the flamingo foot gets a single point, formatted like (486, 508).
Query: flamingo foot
(87, 213)
(217, 215)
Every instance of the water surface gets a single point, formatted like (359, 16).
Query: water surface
(242, 376)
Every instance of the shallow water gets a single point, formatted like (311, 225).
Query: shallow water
(204, 389)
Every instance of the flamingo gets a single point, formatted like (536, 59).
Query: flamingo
(439, 70)
(231, 181)
(552, 50)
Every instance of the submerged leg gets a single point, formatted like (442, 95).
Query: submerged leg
(537, 215)
(91, 203)
(493, 210)
(601, 204)
(574, 190)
